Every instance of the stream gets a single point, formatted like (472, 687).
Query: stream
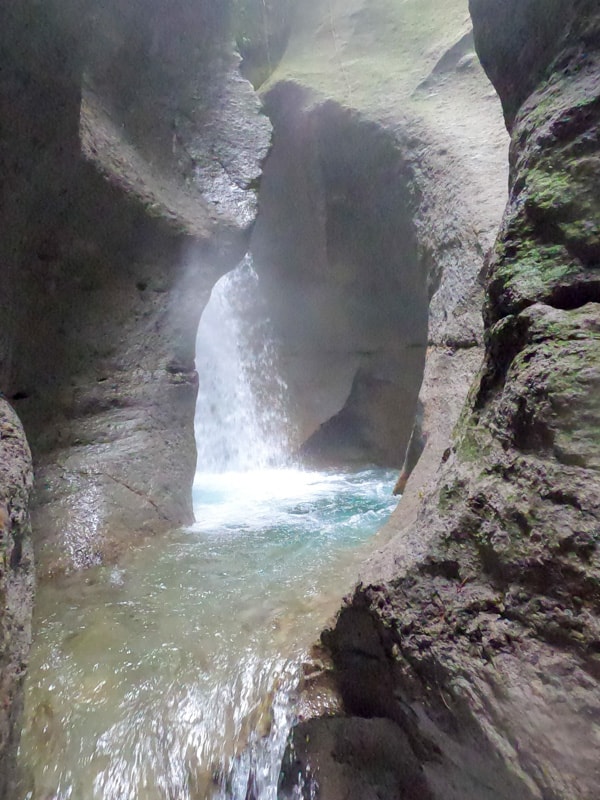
(172, 675)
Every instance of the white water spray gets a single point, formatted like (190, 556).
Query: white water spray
(174, 675)
(241, 422)
(242, 437)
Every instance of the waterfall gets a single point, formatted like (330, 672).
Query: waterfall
(174, 674)
(240, 413)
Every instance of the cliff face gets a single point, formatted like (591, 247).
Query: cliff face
(130, 150)
(470, 654)
(133, 146)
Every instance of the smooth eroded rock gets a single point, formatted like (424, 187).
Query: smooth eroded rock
(16, 584)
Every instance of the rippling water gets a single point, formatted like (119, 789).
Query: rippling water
(171, 677)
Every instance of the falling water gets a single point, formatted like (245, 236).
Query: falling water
(241, 422)
(172, 675)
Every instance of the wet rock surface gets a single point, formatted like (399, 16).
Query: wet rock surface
(16, 582)
(364, 759)
(377, 204)
(468, 660)
(480, 642)
(130, 148)
(131, 151)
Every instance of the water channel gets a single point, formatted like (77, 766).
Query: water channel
(171, 676)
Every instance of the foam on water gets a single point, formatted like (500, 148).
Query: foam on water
(242, 500)
(172, 676)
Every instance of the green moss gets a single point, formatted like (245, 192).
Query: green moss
(544, 108)
(583, 236)
(565, 195)
(549, 192)
(569, 191)
(538, 272)
(553, 237)
(528, 271)
(472, 440)
(474, 444)
(469, 440)
(559, 376)
(449, 494)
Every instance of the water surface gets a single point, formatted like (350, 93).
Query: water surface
(171, 676)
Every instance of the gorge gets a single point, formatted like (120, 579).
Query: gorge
(363, 176)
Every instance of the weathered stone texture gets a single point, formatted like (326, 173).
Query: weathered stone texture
(130, 149)
(482, 642)
(16, 582)
(373, 219)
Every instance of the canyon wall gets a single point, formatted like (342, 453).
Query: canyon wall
(467, 661)
(131, 150)
(383, 191)
(16, 580)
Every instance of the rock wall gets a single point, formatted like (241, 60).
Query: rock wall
(337, 254)
(131, 150)
(16, 582)
(378, 200)
(476, 631)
